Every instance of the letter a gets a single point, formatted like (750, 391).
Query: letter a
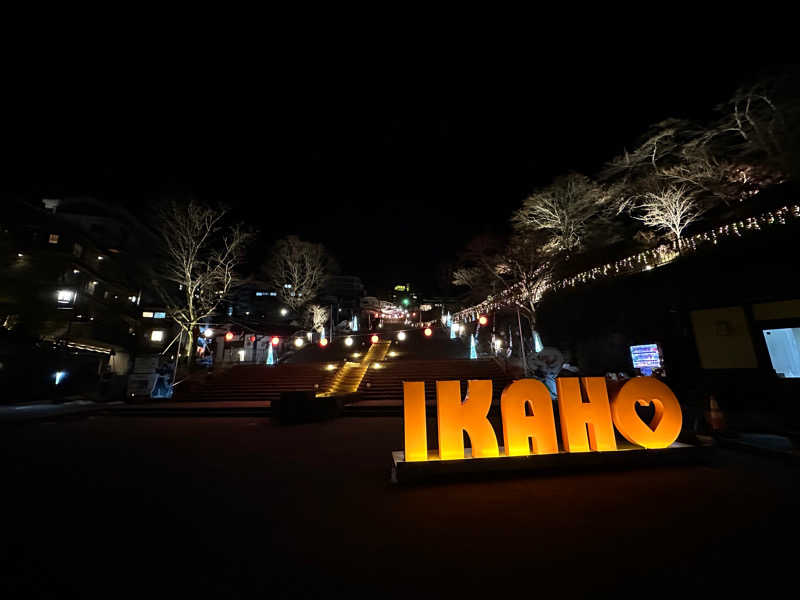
(578, 416)
(456, 417)
(414, 423)
(519, 428)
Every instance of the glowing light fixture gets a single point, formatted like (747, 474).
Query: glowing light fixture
(374, 339)
(66, 296)
(323, 342)
(330, 367)
(401, 335)
(483, 320)
(58, 376)
(376, 366)
(348, 341)
(284, 312)
(298, 342)
(428, 332)
(275, 340)
(392, 353)
(241, 355)
(229, 336)
(207, 333)
(157, 335)
(252, 339)
(270, 356)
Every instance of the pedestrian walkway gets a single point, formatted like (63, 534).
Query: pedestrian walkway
(20, 413)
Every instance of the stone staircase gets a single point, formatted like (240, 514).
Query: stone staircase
(349, 376)
(256, 383)
(385, 384)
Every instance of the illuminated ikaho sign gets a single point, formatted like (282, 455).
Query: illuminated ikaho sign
(586, 423)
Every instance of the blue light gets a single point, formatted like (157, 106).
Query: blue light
(59, 375)
(473, 353)
(270, 357)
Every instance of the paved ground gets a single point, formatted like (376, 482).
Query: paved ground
(225, 507)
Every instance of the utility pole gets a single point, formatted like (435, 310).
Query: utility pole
(522, 344)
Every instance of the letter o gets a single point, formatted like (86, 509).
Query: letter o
(666, 424)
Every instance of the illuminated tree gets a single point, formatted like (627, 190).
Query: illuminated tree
(319, 317)
(200, 256)
(571, 210)
(527, 269)
(298, 269)
(671, 209)
(520, 269)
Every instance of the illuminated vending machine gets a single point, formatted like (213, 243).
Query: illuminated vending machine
(648, 358)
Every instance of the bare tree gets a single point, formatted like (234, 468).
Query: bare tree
(297, 269)
(572, 210)
(671, 209)
(527, 269)
(470, 277)
(200, 258)
(319, 317)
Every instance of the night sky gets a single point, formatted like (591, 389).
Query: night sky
(393, 171)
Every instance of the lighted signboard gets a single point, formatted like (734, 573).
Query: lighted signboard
(586, 425)
(646, 357)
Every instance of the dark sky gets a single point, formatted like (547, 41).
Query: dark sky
(394, 171)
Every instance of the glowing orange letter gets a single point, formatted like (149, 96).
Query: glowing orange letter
(666, 425)
(519, 428)
(456, 417)
(414, 423)
(578, 416)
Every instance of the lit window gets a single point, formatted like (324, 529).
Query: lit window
(66, 296)
(784, 351)
(159, 315)
(157, 335)
(53, 239)
(147, 314)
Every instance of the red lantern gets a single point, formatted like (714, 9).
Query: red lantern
(252, 339)
(374, 339)
(275, 340)
(323, 342)
(229, 337)
(483, 320)
(428, 332)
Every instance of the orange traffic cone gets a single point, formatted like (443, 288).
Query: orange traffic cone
(714, 416)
